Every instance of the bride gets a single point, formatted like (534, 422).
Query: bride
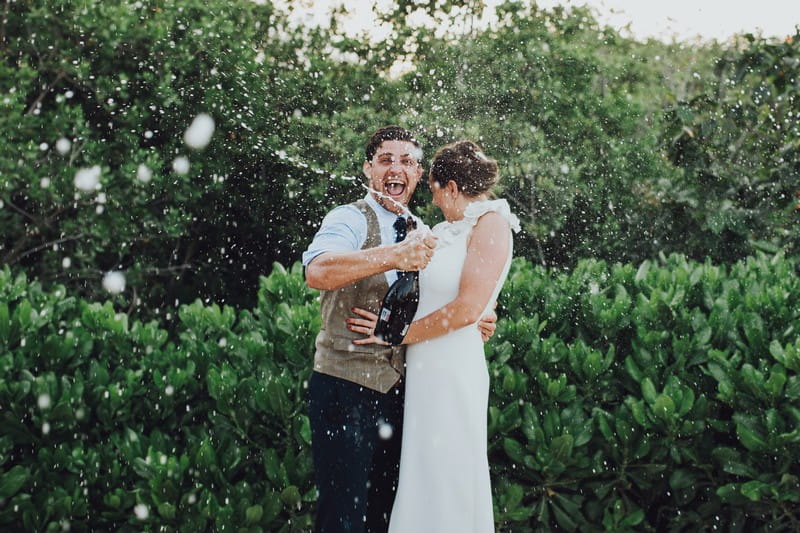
(444, 481)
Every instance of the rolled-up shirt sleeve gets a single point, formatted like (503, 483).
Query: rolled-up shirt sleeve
(344, 229)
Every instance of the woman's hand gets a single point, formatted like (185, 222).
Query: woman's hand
(488, 324)
(364, 325)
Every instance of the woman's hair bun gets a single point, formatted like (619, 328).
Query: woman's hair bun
(465, 163)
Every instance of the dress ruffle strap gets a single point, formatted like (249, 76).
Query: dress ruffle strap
(448, 231)
(475, 210)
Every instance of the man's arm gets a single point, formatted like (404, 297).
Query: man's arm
(334, 270)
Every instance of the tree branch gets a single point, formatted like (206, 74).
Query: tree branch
(19, 244)
(24, 213)
(60, 76)
(161, 271)
(131, 307)
(13, 259)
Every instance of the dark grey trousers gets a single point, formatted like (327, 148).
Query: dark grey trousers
(355, 439)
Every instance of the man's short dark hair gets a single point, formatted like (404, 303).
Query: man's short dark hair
(389, 133)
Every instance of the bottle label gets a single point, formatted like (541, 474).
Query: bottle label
(385, 314)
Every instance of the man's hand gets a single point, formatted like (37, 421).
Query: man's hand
(415, 251)
(488, 324)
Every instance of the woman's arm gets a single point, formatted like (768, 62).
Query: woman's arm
(487, 251)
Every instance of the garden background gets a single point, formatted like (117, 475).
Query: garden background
(156, 334)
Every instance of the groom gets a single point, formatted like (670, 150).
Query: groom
(356, 392)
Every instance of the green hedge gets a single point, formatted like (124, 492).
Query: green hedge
(105, 422)
(659, 398)
(664, 397)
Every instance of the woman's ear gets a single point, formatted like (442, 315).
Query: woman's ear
(452, 188)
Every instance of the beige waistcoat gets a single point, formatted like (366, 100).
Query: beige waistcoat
(372, 365)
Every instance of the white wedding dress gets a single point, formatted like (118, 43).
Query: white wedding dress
(444, 470)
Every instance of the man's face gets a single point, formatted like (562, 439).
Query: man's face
(394, 172)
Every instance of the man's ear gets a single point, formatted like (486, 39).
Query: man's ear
(366, 168)
(420, 171)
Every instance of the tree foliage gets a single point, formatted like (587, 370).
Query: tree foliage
(736, 145)
(114, 88)
(608, 147)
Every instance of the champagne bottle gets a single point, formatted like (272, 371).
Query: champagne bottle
(399, 305)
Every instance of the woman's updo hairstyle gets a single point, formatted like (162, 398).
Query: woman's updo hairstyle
(465, 163)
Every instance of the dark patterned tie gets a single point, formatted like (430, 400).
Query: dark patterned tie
(400, 228)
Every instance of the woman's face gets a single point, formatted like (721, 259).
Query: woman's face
(442, 197)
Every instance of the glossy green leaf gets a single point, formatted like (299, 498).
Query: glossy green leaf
(663, 406)
(5, 324)
(648, 391)
(750, 439)
(754, 490)
(290, 496)
(253, 514)
(13, 480)
(561, 447)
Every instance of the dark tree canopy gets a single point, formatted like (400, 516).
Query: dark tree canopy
(608, 147)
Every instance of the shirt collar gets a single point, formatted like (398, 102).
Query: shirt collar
(378, 208)
(387, 215)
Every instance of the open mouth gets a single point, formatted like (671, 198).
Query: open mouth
(395, 188)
